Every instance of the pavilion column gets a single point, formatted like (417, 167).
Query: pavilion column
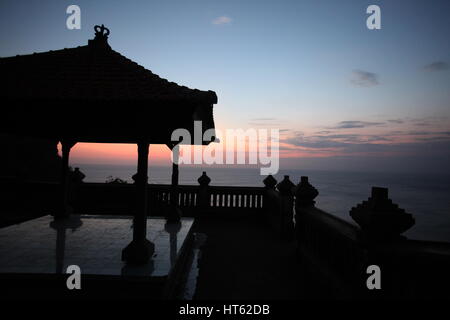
(140, 250)
(175, 157)
(174, 175)
(173, 213)
(64, 207)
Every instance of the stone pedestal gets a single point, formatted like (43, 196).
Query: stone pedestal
(204, 197)
(139, 251)
(305, 193)
(286, 187)
(379, 218)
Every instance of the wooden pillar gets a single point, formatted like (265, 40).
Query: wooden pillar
(140, 250)
(140, 219)
(175, 158)
(63, 211)
(174, 175)
(173, 213)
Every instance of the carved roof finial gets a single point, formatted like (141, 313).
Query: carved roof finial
(101, 32)
(101, 37)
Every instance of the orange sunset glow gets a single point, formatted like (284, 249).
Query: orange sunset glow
(112, 153)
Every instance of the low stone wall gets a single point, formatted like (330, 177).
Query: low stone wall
(336, 257)
(340, 258)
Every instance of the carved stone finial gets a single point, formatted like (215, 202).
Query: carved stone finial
(101, 37)
(286, 186)
(305, 193)
(380, 218)
(204, 180)
(101, 32)
(270, 182)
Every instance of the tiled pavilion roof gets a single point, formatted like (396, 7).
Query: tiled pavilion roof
(93, 71)
(96, 78)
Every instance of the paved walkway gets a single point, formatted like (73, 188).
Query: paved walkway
(244, 259)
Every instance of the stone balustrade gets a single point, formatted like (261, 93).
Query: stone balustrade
(333, 254)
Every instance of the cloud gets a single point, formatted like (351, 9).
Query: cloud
(369, 145)
(344, 142)
(396, 121)
(436, 66)
(422, 123)
(352, 143)
(364, 78)
(435, 121)
(356, 124)
(443, 134)
(419, 149)
(265, 122)
(355, 138)
(314, 144)
(222, 20)
(264, 119)
(432, 122)
(423, 162)
(433, 139)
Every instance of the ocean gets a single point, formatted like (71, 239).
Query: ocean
(426, 196)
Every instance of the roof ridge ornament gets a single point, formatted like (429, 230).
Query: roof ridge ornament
(101, 32)
(101, 37)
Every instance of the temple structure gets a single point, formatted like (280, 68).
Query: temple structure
(94, 94)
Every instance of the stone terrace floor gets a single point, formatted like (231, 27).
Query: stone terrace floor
(239, 258)
(94, 243)
(245, 259)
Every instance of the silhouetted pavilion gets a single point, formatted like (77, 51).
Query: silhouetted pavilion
(94, 94)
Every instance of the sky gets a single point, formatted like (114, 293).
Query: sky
(342, 96)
